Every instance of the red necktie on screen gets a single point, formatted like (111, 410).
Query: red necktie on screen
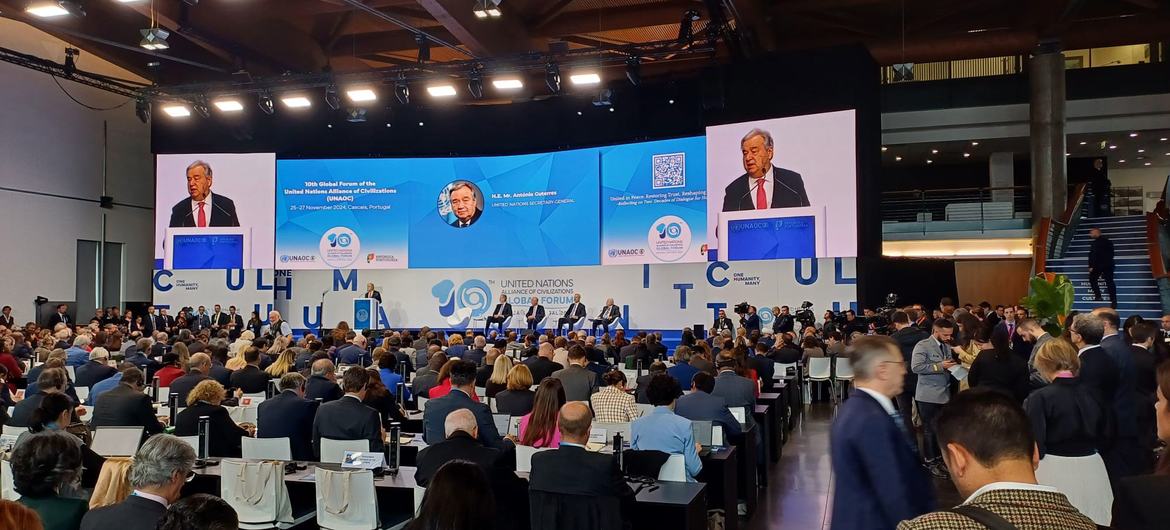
(761, 195)
(201, 221)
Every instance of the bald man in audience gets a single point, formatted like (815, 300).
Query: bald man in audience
(578, 473)
(542, 365)
(198, 369)
(322, 383)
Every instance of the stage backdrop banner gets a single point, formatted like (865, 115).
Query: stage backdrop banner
(653, 202)
(667, 297)
(259, 290)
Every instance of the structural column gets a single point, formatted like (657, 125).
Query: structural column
(1049, 178)
(1002, 172)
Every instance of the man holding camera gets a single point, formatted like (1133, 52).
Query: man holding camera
(748, 318)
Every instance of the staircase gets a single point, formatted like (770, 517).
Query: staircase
(1137, 292)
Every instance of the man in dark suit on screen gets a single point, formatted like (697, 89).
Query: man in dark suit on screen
(764, 185)
(202, 208)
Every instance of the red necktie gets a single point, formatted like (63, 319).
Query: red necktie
(201, 221)
(761, 195)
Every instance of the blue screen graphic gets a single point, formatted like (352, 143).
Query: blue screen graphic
(775, 238)
(199, 251)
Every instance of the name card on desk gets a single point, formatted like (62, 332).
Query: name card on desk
(597, 436)
(245, 402)
(8, 441)
(362, 460)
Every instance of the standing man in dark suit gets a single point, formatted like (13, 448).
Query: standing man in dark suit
(609, 314)
(575, 312)
(750, 320)
(462, 388)
(235, 323)
(60, 317)
(578, 381)
(371, 292)
(219, 319)
(1036, 335)
(1101, 266)
(722, 322)
(907, 335)
(1126, 452)
(158, 474)
(202, 208)
(593, 481)
(500, 315)
(1013, 317)
(534, 315)
(289, 415)
(126, 405)
(879, 478)
(348, 418)
(763, 185)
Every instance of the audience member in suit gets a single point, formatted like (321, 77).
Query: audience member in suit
(50, 381)
(998, 367)
(223, 434)
(931, 360)
(643, 383)
(477, 354)
(322, 383)
(289, 415)
(157, 476)
(1037, 336)
(575, 312)
(140, 358)
(1098, 373)
(219, 371)
(96, 369)
(1127, 456)
(462, 442)
(251, 379)
(126, 405)
(663, 430)
(907, 335)
(460, 397)
(1140, 502)
(354, 353)
(1071, 427)
(348, 418)
(989, 448)
(455, 346)
(574, 488)
(701, 405)
(1145, 381)
(426, 379)
(654, 345)
(879, 478)
(765, 368)
(578, 381)
(736, 390)
(197, 368)
(517, 400)
(541, 365)
(484, 372)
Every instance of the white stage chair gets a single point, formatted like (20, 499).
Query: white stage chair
(266, 448)
(333, 451)
(820, 370)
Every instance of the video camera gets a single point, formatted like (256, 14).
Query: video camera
(805, 315)
(741, 308)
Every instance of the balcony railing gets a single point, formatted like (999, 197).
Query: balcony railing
(956, 209)
(1016, 64)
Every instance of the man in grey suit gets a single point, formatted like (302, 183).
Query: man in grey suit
(736, 390)
(579, 381)
(931, 360)
(1034, 333)
(700, 405)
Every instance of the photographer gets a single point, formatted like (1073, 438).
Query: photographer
(783, 321)
(853, 324)
(748, 319)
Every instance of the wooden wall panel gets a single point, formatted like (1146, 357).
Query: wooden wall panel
(996, 281)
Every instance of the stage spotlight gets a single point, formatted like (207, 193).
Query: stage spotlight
(510, 83)
(585, 78)
(604, 99)
(359, 95)
(177, 110)
(903, 72)
(475, 84)
(265, 103)
(154, 39)
(296, 102)
(686, 27)
(441, 91)
(424, 47)
(356, 115)
(142, 110)
(46, 9)
(634, 70)
(402, 90)
(332, 98)
(487, 8)
(552, 77)
(229, 105)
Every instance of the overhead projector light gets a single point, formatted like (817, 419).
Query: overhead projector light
(154, 39)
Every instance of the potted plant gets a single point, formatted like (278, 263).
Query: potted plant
(1050, 301)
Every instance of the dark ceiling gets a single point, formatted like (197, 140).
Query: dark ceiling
(266, 38)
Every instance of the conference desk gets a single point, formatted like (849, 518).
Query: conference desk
(677, 504)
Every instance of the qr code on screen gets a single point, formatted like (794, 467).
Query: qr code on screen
(669, 170)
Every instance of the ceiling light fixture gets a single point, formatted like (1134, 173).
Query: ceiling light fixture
(177, 110)
(424, 47)
(934, 151)
(897, 159)
(332, 98)
(1083, 143)
(200, 107)
(884, 148)
(154, 39)
(634, 70)
(296, 102)
(229, 105)
(46, 10)
(552, 77)
(974, 143)
(487, 8)
(265, 103)
(1113, 147)
(508, 83)
(441, 91)
(356, 115)
(402, 90)
(361, 95)
(686, 27)
(966, 155)
(585, 78)
(475, 84)
(1133, 135)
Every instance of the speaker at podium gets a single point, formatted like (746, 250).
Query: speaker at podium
(365, 314)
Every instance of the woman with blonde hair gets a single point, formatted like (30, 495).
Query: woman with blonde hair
(223, 433)
(283, 364)
(1071, 427)
(498, 382)
(517, 399)
(237, 361)
(242, 343)
(455, 346)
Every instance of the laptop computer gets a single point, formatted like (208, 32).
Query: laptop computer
(703, 434)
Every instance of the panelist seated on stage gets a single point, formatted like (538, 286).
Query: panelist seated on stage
(203, 208)
(763, 185)
(608, 315)
(575, 312)
(534, 315)
(500, 315)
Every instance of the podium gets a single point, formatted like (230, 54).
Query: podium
(365, 314)
(228, 247)
(775, 233)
